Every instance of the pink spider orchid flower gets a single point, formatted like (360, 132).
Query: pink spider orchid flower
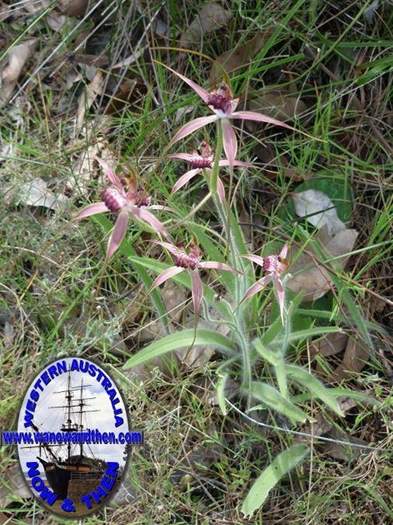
(203, 159)
(223, 105)
(192, 263)
(126, 202)
(274, 266)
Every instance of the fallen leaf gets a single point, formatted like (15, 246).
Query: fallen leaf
(235, 59)
(56, 21)
(37, 193)
(35, 6)
(318, 210)
(341, 451)
(131, 91)
(211, 17)
(198, 356)
(5, 11)
(90, 93)
(330, 344)
(174, 297)
(311, 278)
(83, 171)
(17, 58)
(355, 359)
(13, 484)
(182, 112)
(321, 425)
(333, 186)
(73, 7)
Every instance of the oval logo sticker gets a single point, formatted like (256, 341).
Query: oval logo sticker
(76, 437)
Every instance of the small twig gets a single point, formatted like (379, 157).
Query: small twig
(302, 434)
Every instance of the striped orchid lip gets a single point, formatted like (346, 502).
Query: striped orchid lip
(127, 203)
(116, 199)
(189, 261)
(223, 106)
(221, 99)
(274, 266)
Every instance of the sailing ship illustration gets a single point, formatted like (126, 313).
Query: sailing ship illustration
(79, 470)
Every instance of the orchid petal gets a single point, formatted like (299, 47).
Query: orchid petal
(220, 189)
(197, 291)
(165, 275)
(237, 163)
(188, 157)
(214, 265)
(185, 178)
(280, 296)
(257, 287)
(229, 141)
(92, 209)
(174, 250)
(234, 104)
(284, 251)
(118, 233)
(259, 117)
(144, 215)
(200, 91)
(110, 174)
(257, 259)
(192, 126)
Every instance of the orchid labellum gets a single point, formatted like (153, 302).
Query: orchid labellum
(126, 202)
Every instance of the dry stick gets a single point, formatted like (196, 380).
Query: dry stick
(302, 434)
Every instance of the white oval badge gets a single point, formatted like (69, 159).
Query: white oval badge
(74, 437)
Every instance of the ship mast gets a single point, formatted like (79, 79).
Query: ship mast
(74, 405)
(69, 426)
(81, 405)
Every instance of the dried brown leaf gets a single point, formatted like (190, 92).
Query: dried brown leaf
(355, 359)
(198, 356)
(310, 277)
(92, 91)
(319, 210)
(211, 17)
(235, 59)
(339, 450)
(73, 7)
(36, 193)
(17, 58)
(5, 11)
(56, 21)
(83, 169)
(13, 479)
(331, 344)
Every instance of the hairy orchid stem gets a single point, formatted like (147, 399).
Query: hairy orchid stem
(226, 216)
